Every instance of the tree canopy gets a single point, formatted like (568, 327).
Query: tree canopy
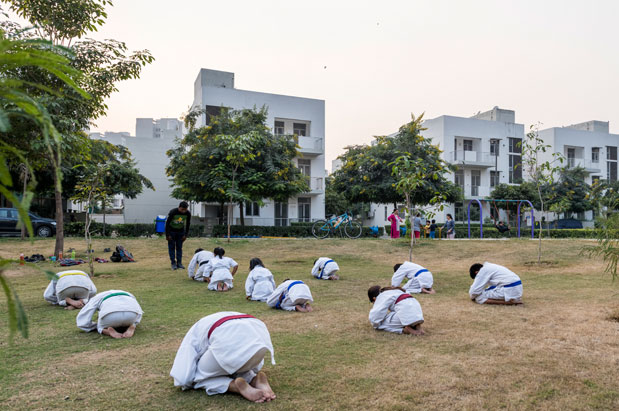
(366, 172)
(200, 168)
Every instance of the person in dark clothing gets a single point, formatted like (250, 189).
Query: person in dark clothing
(176, 232)
(502, 228)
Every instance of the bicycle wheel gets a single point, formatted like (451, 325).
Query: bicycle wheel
(321, 229)
(353, 229)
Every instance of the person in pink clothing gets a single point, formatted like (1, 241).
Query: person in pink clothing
(395, 223)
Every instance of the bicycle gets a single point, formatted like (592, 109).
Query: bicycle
(322, 228)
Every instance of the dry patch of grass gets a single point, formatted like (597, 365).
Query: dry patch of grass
(558, 351)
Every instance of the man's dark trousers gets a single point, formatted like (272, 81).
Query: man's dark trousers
(175, 247)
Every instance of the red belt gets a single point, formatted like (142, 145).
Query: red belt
(402, 297)
(227, 318)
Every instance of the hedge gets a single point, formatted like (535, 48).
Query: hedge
(76, 229)
(294, 230)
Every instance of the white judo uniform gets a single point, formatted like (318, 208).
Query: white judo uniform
(73, 284)
(116, 308)
(214, 352)
(259, 284)
(418, 277)
(198, 260)
(324, 268)
(393, 310)
(290, 294)
(503, 284)
(218, 269)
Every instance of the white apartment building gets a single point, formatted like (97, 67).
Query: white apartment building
(486, 150)
(588, 145)
(303, 117)
(158, 128)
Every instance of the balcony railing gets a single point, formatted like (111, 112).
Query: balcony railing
(473, 191)
(316, 185)
(474, 158)
(310, 145)
(591, 166)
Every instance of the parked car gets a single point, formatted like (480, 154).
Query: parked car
(566, 223)
(43, 227)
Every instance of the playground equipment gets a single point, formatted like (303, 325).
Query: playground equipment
(481, 215)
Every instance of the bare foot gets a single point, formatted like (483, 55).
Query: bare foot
(240, 386)
(428, 291)
(261, 382)
(415, 330)
(112, 332)
(74, 303)
(129, 332)
(334, 277)
(69, 307)
(224, 287)
(309, 308)
(300, 308)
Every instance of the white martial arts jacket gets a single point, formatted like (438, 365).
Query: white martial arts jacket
(408, 310)
(106, 306)
(259, 284)
(233, 343)
(218, 269)
(66, 279)
(418, 277)
(324, 268)
(495, 275)
(288, 293)
(199, 259)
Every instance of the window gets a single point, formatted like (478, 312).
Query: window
(6, 213)
(494, 148)
(515, 145)
(305, 166)
(495, 177)
(252, 209)
(475, 182)
(300, 129)
(459, 178)
(281, 214)
(211, 111)
(386, 213)
(278, 130)
(515, 160)
(595, 155)
(468, 145)
(305, 206)
(571, 157)
(611, 163)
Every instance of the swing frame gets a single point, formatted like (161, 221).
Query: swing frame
(481, 215)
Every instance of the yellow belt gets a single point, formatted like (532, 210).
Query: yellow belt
(72, 273)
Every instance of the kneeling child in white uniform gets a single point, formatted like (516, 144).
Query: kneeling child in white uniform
(71, 290)
(494, 284)
(260, 283)
(219, 271)
(420, 279)
(119, 314)
(201, 257)
(395, 311)
(291, 296)
(325, 269)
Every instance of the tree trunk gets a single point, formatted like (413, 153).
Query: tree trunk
(410, 214)
(230, 205)
(59, 217)
(23, 226)
(242, 216)
(104, 219)
(541, 228)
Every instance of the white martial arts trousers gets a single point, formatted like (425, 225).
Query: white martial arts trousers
(118, 319)
(392, 323)
(500, 293)
(215, 380)
(74, 292)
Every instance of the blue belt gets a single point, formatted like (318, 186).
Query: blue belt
(421, 271)
(322, 271)
(515, 283)
(283, 295)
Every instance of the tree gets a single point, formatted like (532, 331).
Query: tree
(540, 172)
(366, 174)
(17, 103)
(413, 175)
(109, 170)
(103, 64)
(570, 194)
(203, 167)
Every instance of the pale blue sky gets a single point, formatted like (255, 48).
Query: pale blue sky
(550, 61)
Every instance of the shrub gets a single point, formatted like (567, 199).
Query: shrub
(294, 230)
(76, 229)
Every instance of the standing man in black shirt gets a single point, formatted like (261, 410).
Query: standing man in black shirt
(176, 232)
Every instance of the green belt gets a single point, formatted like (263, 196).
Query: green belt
(114, 295)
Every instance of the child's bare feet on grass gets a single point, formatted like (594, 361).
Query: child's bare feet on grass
(112, 332)
(69, 307)
(262, 383)
(416, 330)
(428, 291)
(304, 308)
(240, 386)
(129, 332)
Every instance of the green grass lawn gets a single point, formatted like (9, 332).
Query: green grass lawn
(558, 351)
